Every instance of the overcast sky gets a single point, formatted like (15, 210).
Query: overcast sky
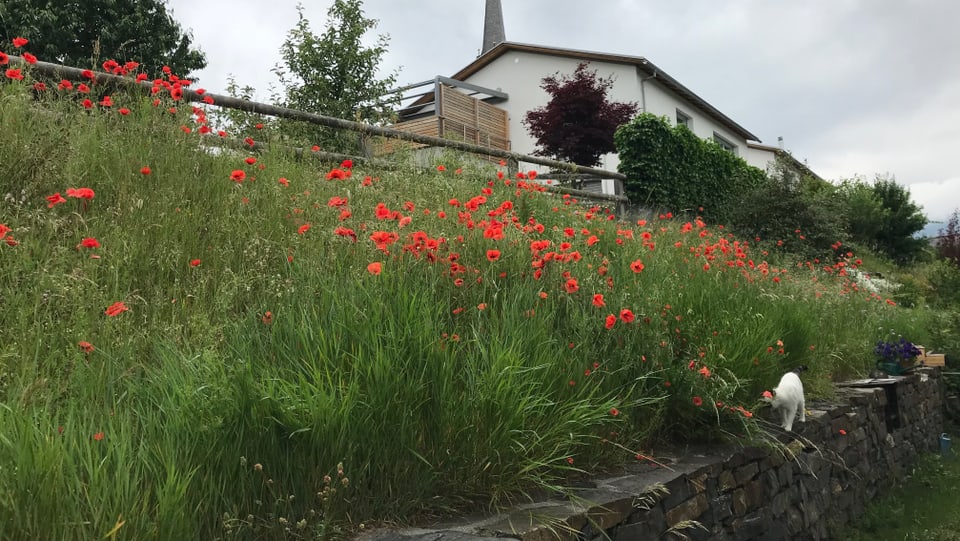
(855, 87)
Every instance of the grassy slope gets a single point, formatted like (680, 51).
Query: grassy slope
(448, 374)
(924, 508)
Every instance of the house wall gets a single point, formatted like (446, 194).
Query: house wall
(759, 157)
(520, 73)
(663, 102)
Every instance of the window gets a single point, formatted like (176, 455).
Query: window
(683, 119)
(724, 143)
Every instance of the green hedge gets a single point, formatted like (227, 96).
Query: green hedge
(670, 168)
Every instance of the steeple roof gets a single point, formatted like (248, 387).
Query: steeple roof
(493, 32)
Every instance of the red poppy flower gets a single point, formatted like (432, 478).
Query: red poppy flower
(98, 436)
(441, 168)
(375, 268)
(610, 321)
(52, 200)
(303, 229)
(250, 160)
(614, 412)
(195, 263)
(20, 42)
(87, 104)
(124, 111)
(697, 401)
(383, 238)
(4, 229)
(238, 175)
(29, 58)
(145, 170)
(336, 174)
(85, 346)
(346, 232)
(636, 266)
(14, 74)
(80, 193)
(598, 300)
(347, 164)
(90, 242)
(4, 59)
(627, 316)
(531, 175)
(315, 148)
(116, 309)
(571, 285)
(267, 317)
(493, 255)
(284, 181)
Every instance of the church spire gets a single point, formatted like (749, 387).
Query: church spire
(493, 32)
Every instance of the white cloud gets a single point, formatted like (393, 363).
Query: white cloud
(939, 199)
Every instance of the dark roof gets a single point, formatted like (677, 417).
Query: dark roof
(493, 31)
(642, 63)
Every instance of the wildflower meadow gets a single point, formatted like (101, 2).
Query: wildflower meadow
(212, 344)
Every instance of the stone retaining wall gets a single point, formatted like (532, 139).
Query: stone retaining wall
(846, 453)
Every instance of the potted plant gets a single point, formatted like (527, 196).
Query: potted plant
(896, 358)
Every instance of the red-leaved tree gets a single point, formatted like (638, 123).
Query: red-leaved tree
(948, 240)
(578, 122)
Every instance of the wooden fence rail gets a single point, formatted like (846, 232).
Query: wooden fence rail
(67, 72)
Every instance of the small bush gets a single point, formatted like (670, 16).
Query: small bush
(944, 279)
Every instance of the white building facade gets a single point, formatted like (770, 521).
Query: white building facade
(518, 70)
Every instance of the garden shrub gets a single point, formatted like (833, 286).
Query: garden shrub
(793, 214)
(944, 279)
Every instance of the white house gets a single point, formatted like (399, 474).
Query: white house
(508, 75)
(517, 69)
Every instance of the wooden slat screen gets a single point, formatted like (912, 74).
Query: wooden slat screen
(460, 118)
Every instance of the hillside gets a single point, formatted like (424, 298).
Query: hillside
(198, 344)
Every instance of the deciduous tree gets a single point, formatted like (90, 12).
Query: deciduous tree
(578, 123)
(336, 74)
(84, 33)
(882, 217)
(948, 241)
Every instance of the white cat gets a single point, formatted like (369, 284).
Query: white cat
(788, 398)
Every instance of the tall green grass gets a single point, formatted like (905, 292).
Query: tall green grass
(223, 400)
